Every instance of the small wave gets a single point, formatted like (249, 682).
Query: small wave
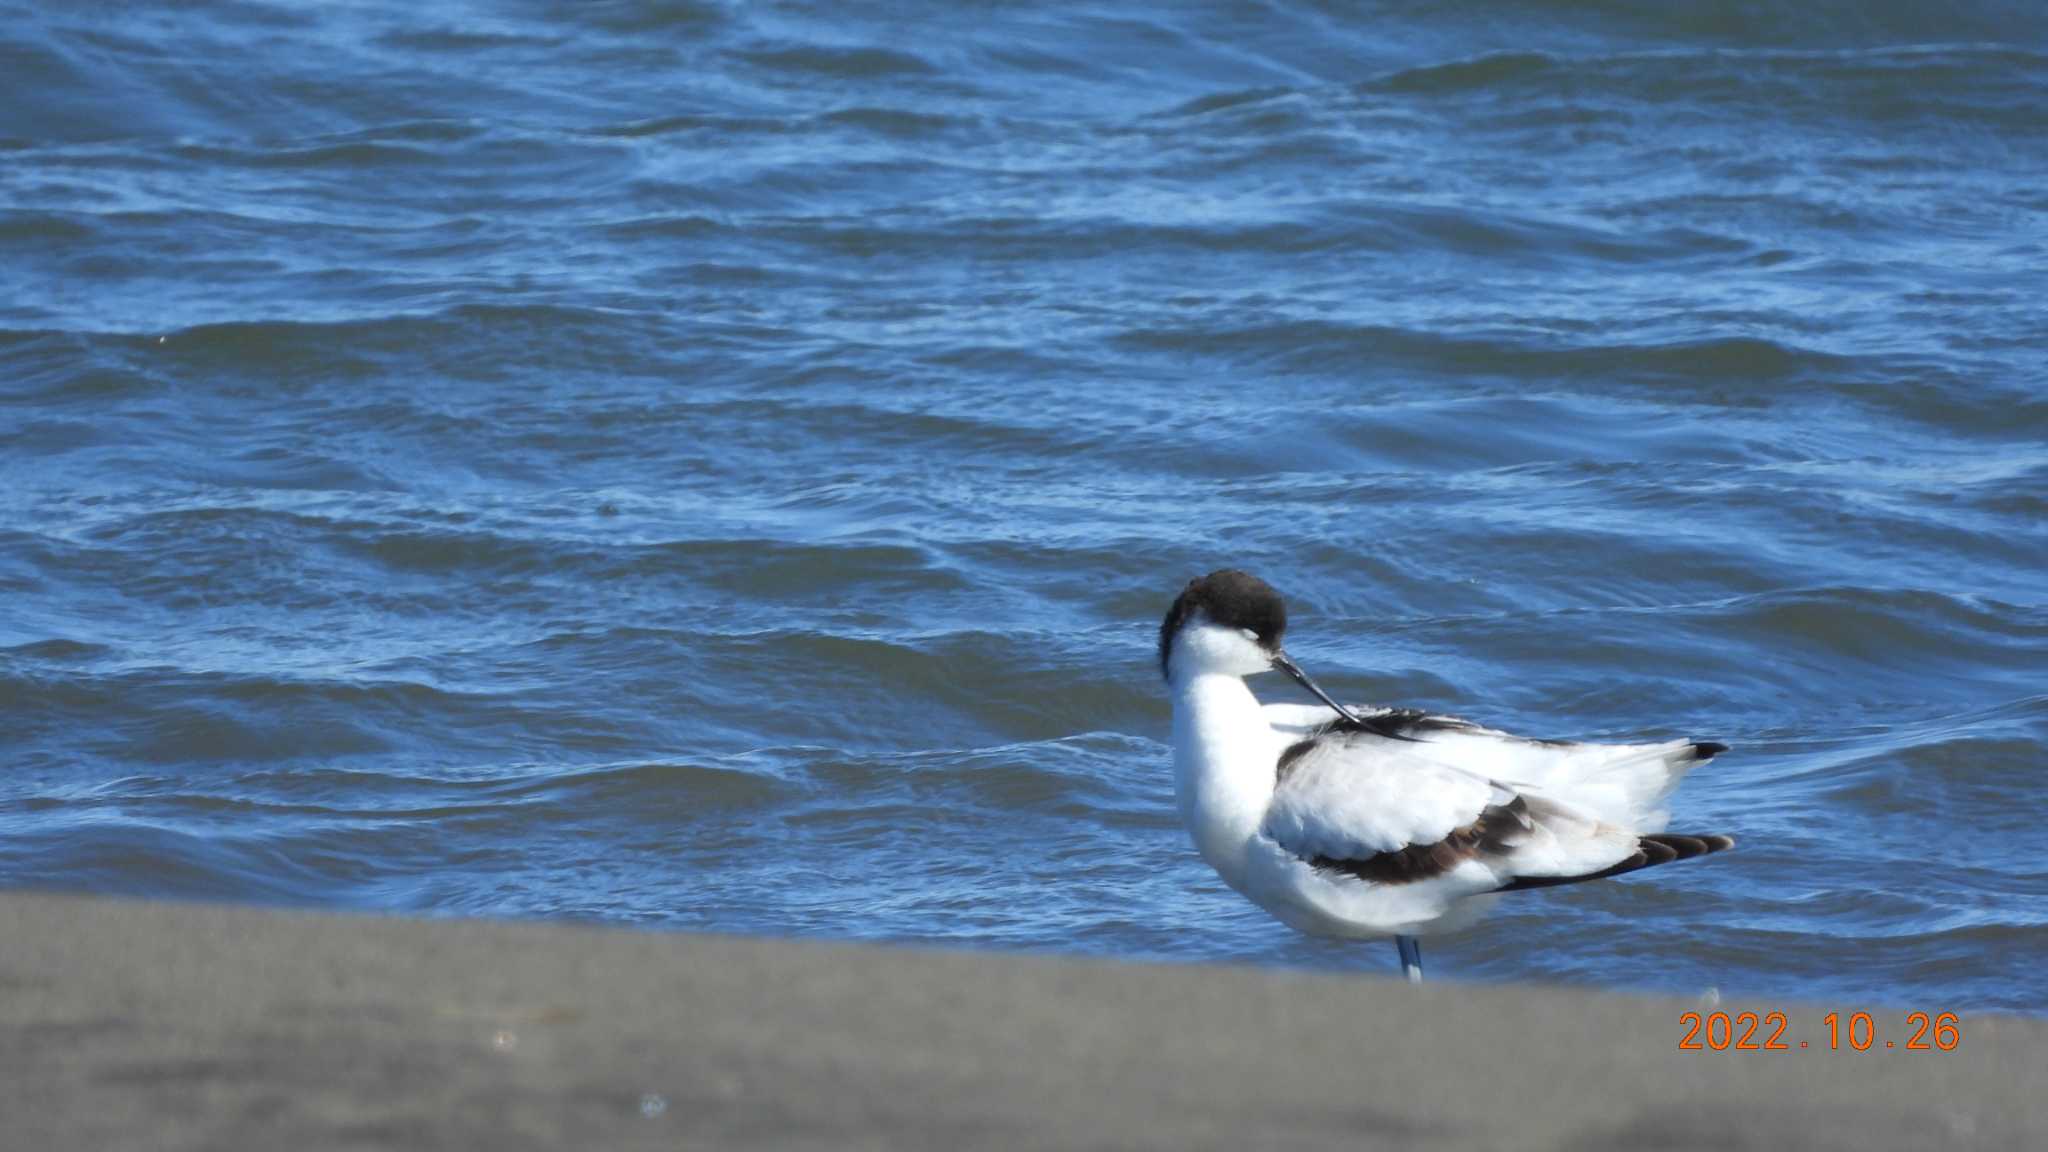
(716, 124)
(1469, 75)
(357, 154)
(1093, 776)
(844, 63)
(894, 121)
(138, 859)
(1314, 345)
(58, 651)
(661, 792)
(668, 228)
(1961, 83)
(303, 352)
(1869, 635)
(643, 16)
(462, 41)
(476, 553)
(45, 228)
(168, 715)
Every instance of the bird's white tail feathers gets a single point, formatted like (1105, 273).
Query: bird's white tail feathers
(1630, 783)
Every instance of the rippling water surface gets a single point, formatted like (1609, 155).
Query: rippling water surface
(723, 467)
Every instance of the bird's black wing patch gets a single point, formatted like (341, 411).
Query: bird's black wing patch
(1498, 828)
(1409, 725)
(1414, 724)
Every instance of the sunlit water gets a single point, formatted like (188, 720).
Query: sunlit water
(723, 468)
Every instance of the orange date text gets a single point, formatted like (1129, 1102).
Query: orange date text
(1854, 1031)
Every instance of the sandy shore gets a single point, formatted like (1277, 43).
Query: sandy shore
(162, 1026)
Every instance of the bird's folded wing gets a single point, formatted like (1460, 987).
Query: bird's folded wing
(1620, 783)
(1454, 741)
(1344, 795)
(1389, 810)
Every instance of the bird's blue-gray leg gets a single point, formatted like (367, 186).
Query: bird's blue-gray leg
(1411, 957)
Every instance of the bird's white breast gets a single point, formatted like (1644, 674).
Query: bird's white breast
(1223, 756)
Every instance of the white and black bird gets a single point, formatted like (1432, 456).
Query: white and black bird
(1364, 822)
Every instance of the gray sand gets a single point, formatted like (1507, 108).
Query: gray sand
(161, 1026)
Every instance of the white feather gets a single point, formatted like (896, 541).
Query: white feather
(1625, 784)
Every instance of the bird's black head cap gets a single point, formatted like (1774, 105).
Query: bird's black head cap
(1231, 598)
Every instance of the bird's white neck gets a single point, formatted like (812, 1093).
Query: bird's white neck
(1224, 753)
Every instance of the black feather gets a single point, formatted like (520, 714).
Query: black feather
(1652, 850)
(1498, 829)
(1231, 598)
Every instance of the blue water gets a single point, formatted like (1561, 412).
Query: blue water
(722, 468)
